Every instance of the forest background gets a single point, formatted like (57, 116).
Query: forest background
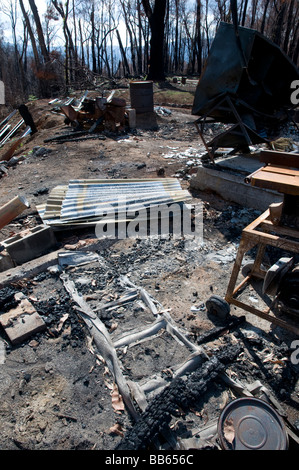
(49, 48)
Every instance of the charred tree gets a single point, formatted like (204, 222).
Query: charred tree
(39, 30)
(93, 41)
(156, 18)
(197, 47)
(123, 53)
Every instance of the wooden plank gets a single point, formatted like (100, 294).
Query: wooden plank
(12, 209)
(266, 316)
(273, 240)
(287, 184)
(281, 170)
(280, 229)
(280, 158)
(253, 225)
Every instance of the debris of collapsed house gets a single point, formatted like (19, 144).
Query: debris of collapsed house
(100, 113)
(152, 422)
(89, 117)
(180, 394)
(154, 403)
(246, 85)
(105, 303)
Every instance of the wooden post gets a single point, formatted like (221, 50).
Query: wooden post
(26, 115)
(11, 209)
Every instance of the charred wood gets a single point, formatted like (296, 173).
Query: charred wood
(181, 393)
(214, 333)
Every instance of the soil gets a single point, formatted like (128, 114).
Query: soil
(56, 391)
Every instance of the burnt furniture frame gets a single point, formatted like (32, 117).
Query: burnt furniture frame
(239, 134)
(267, 230)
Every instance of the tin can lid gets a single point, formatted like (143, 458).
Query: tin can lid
(251, 424)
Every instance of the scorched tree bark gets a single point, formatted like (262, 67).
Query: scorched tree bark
(156, 18)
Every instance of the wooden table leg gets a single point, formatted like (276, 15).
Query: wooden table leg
(244, 246)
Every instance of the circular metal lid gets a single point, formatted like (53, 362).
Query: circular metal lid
(251, 424)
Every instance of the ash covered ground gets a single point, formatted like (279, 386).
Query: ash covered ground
(56, 390)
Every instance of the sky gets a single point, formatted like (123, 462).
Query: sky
(5, 21)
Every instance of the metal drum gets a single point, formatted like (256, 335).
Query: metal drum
(251, 424)
(142, 96)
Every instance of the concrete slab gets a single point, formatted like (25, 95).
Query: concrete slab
(231, 187)
(240, 163)
(34, 267)
(21, 322)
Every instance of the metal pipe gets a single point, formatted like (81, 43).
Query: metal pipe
(12, 132)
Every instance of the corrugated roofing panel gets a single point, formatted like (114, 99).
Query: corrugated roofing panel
(87, 201)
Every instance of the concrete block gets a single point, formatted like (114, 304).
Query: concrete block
(231, 187)
(132, 118)
(6, 261)
(21, 322)
(28, 245)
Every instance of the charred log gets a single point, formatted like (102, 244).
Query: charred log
(181, 393)
(220, 330)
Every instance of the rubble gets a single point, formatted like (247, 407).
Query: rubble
(128, 355)
(179, 394)
(22, 321)
(110, 312)
(237, 89)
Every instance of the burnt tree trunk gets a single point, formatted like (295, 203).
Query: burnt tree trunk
(156, 17)
(39, 30)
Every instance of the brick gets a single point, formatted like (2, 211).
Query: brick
(21, 322)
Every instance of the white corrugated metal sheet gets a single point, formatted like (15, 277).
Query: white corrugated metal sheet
(87, 201)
